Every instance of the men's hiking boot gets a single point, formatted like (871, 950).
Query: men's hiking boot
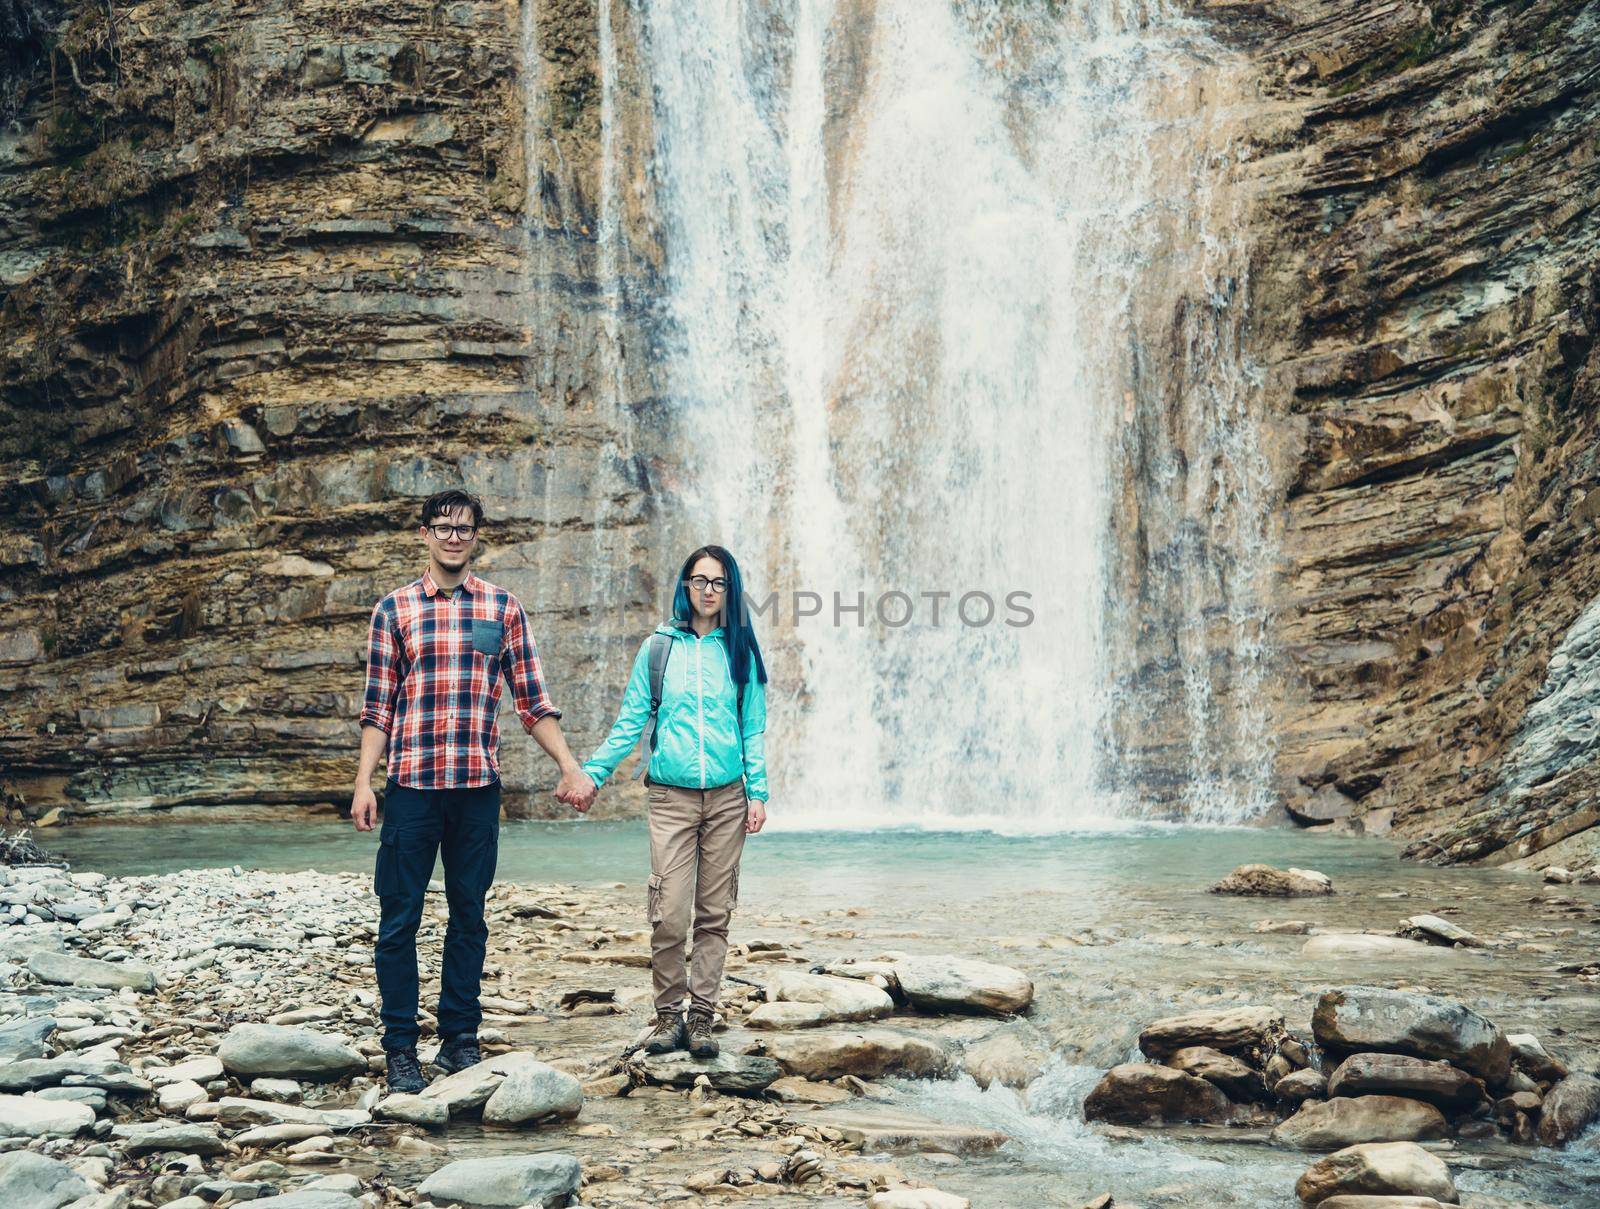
(667, 1035)
(404, 1075)
(701, 1043)
(458, 1053)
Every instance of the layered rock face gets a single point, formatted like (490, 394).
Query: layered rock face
(271, 277)
(1424, 285)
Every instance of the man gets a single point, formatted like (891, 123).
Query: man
(437, 651)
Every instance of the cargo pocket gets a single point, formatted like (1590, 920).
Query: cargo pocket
(385, 876)
(652, 907)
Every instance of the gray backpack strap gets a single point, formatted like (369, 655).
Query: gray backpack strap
(660, 648)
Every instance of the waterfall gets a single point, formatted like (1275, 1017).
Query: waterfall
(922, 262)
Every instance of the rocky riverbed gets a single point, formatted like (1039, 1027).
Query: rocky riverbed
(206, 1037)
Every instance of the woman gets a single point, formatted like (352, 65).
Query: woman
(706, 784)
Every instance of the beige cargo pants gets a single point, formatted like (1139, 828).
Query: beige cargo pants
(696, 840)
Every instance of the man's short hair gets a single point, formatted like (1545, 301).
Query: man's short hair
(445, 502)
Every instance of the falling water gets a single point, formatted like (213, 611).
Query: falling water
(922, 263)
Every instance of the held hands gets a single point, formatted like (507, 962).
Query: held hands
(577, 790)
(364, 808)
(755, 817)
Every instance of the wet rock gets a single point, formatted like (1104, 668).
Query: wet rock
(413, 1110)
(959, 984)
(1571, 1107)
(877, 1130)
(31, 1117)
(469, 1090)
(1300, 1086)
(286, 1051)
(1136, 1093)
(32, 1180)
(1529, 1055)
(1003, 1059)
(504, 1183)
(1236, 1079)
(1265, 881)
(792, 1089)
(1436, 1082)
(870, 1053)
(1252, 1032)
(917, 1198)
(841, 999)
(71, 970)
(1405, 1022)
(1348, 1120)
(150, 1137)
(1377, 1169)
(1440, 931)
(532, 1093)
(731, 1074)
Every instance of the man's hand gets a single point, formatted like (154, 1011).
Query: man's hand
(755, 817)
(364, 808)
(577, 790)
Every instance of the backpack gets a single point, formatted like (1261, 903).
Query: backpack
(660, 650)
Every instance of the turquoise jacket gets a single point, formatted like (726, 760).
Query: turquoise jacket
(698, 733)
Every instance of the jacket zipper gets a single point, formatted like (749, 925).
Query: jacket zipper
(700, 702)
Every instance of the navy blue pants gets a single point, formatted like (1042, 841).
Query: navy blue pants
(419, 824)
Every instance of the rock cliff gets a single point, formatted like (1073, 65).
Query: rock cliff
(273, 274)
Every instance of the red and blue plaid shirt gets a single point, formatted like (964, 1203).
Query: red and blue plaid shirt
(434, 663)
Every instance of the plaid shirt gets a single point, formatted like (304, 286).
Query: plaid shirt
(434, 662)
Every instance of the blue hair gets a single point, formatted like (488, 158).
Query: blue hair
(743, 649)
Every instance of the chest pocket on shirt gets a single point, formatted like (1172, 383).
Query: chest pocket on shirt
(486, 636)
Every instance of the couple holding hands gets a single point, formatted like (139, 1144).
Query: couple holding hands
(437, 651)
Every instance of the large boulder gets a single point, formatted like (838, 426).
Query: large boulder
(1250, 1032)
(790, 1015)
(547, 1180)
(31, 1117)
(1571, 1107)
(412, 1110)
(1377, 1169)
(32, 1180)
(1138, 1093)
(1348, 1120)
(1299, 1086)
(1004, 1059)
(468, 1090)
(532, 1093)
(869, 1053)
(1363, 1018)
(1237, 1079)
(30, 1074)
(286, 1051)
(841, 999)
(1266, 882)
(730, 1074)
(1438, 1083)
(959, 984)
